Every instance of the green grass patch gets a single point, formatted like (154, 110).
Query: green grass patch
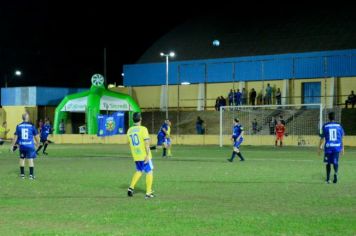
(81, 190)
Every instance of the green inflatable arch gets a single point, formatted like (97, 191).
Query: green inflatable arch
(91, 102)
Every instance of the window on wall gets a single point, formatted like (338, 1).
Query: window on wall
(311, 92)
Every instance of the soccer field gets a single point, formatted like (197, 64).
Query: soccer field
(82, 190)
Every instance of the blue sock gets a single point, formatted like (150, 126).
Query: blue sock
(328, 169)
(31, 170)
(45, 147)
(240, 155)
(336, 168)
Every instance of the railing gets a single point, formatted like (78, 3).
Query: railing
(337, 101)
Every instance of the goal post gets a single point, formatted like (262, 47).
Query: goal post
(301, 120)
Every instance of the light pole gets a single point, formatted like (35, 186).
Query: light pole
(167, 55)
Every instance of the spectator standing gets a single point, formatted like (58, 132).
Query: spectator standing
(244, 96)
(253, 95)
(199, 125)
(231, 97)
(268, 94)
(279, 97)
(217, 108)
(238, 98)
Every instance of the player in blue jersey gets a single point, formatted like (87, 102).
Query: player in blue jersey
(331, 141)
(161, 137)
(237, 138)
(26, 137)
(46, 130)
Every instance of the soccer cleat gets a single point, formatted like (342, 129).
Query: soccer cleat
(45, 153)
(328, 181)
(150, 195)
(130, 192)
(32, 177)
(242, 159)
(229, 160)
(22, 176)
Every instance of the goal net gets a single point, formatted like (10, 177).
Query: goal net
(302, 121)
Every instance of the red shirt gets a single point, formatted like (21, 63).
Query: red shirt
(280, 129)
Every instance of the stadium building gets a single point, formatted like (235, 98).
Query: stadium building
(311, 60)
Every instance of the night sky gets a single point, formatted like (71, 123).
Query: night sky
(62, 45)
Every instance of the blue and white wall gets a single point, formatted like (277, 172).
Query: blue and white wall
(340, 63)
(35, 96)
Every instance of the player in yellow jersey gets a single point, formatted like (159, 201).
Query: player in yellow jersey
(139, 140)
(168, 138)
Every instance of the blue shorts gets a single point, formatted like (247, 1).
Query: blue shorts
(332, 158)
(43, 140)
(28, 154)
(160, 140)
(237, 143)
(168, 141)
(144, 167)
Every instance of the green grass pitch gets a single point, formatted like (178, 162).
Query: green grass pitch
(81, 190)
